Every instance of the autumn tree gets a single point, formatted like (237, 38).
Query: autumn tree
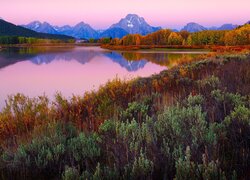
(137, 38)
(240, 36)
(115, 41)
(206, 38)
(175, 39)
(184, 34)
(131, 39)
(105, 40)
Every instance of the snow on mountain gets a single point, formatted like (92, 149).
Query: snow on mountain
(81, 30)
(134, 24)
(41, 27)
(131, 24)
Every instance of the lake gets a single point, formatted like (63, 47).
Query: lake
(75, 70)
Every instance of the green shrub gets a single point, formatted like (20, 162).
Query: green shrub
(70, 173)
(142, 167)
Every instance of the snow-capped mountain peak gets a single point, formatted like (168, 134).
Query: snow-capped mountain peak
(34, 25)
(41, 27)
(134, 24)
(37, 24)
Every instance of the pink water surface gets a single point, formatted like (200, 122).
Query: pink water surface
(68, 77)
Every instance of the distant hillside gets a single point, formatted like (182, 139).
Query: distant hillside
(193, 27)
(227, 27)
(9, 29)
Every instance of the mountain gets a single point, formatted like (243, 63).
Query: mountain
(41, 27)
(134, 24)
(247, 22)
(64, 29)
(83, 56)
(114, 33)
(174, 30)
(128, 65)
(99, 31)
(212, 28)
(131, 24)
(194, 27)
(227, 27)
(9, 29)
(80, 30)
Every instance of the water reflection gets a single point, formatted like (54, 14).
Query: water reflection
(34, 71)
(129, 64)
(132, 61)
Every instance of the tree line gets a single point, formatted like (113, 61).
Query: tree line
(30, 40)
(238, 36)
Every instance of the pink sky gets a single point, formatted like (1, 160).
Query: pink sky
(101, 14)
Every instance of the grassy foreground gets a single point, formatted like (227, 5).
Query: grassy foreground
(189, 122)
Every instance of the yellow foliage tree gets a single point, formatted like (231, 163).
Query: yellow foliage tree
(175, 39)
(240, 36)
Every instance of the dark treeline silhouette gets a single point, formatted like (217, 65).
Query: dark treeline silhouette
(9, 33)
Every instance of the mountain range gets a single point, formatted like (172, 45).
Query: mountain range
(83, 56)
(194, 27)
(131, 24)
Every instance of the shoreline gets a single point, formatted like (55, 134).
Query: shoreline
(133, 47)
(49, 45)
(175, 47)
(159, 48)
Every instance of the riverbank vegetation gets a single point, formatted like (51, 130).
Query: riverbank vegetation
(168, 39)
(189, 122)
(17, 40)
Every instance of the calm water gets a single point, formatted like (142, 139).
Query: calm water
(70, 71)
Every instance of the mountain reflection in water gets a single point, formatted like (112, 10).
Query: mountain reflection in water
(34, 71)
